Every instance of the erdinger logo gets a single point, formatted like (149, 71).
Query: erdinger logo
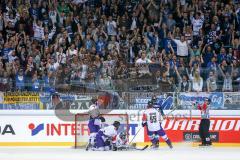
(35, 129)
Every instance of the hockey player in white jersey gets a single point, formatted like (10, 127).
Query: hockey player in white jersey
(151, 119)
(106, 137)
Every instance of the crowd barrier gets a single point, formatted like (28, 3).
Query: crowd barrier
(124, 100)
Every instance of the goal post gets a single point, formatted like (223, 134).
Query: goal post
(81, 126)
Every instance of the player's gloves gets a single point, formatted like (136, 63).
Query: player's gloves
(144, 124)
(102, 119)
(107, 142)
(114, 147)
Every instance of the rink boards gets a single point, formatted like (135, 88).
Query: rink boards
(44, 128)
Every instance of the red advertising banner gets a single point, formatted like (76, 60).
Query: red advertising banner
(222, 129)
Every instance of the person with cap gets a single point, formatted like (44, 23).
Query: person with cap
(205, 123)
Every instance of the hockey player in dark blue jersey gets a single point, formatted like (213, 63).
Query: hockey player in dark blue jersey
(95, 122)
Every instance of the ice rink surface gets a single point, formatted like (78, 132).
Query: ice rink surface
(163, 153)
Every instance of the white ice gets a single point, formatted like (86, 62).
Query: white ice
(163, 153)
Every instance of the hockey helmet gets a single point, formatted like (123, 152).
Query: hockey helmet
(123, 135)
(102, 119)
(154, 98)
(55, 95)
(93, 111)
(116, 124)
(150, 104)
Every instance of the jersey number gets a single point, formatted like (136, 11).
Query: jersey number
(153, 118)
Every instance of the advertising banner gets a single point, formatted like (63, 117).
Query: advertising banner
(232, 100)
(20, 106)
(222, 129)
(32, 100)
(130, 100)
(19, 100)
(187, 99)
(71, 101)
(137, 100)
(43, 126)
(194, 136)
(49, 129)
(37, 129)
(21, 97)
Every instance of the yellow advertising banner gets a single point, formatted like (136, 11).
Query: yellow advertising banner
(21, 97)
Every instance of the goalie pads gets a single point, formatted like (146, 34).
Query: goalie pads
(121, 142)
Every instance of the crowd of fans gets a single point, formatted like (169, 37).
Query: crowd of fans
(192, 45)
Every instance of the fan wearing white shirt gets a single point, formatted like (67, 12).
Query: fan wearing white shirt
(38, 31)
(111, 27)
(12, 56)
(61, 56)
(142, 64)
(52, 14)
(71, 50)
(143, 59)
(134, 22)
(197, 23)
(182, 46)
(197, 81)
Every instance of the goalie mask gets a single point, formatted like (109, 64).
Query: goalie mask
(116, 124)
(102, 119)
(123, 135)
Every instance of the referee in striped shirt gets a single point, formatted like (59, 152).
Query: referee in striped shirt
(205, 123)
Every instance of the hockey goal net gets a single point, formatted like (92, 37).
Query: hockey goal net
(82, 131)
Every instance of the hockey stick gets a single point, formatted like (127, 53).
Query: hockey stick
(131, 147)
(142, 149)
(135, 135)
